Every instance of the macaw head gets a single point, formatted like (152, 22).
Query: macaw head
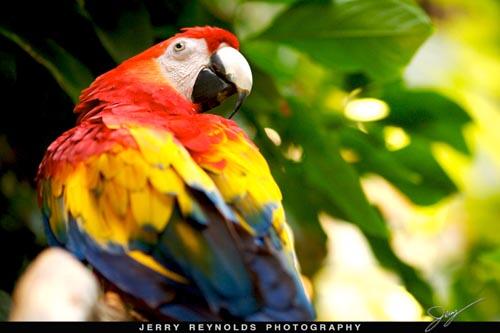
(201, 65)
(204, 64)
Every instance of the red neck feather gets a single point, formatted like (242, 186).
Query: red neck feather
(136, 82)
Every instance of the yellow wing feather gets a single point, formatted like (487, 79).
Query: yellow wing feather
(118, 195)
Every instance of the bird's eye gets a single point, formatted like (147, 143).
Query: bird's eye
(179, 46)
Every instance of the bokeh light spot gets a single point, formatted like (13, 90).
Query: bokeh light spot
(366, 109)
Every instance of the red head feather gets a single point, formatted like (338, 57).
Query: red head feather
(214, 36)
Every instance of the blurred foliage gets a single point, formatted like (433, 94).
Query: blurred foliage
(312, 61)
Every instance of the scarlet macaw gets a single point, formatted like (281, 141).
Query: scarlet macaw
(175, 208)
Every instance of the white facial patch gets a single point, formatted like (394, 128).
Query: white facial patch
(182, 61)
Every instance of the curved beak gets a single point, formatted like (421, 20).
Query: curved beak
(228, 73)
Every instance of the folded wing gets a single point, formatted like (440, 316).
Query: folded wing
(171, 228)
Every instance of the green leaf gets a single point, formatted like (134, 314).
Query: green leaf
(71, 75)
(427, 113)
(427, 117)
(412, 169)
(123, 26)
(491, 263)
(375, 37)
(324, 170)
(417, 156)
(266, 55)
(477, 277)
